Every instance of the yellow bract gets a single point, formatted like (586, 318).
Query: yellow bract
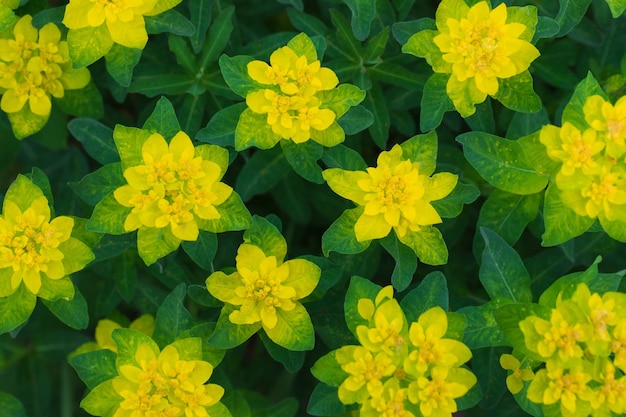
(35, 65)
(263, 286)
(394, 195)
(292, 108)
(161, 384)
(514, 381)
(481, 48)
(172, 187)
(592, 175)
(29, 243)
(124, 19)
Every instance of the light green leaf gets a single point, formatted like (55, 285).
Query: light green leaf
(431, 292)
(340, 235)
(16, 309)
(253, 130)
(573, 111)
(25, 123)
(95, 367)
(328, 370)
(508, 317)
(54, 289)
(154, 243)
(233, 216)
(23, 192)
(103, 400)
(108, 216)
(435, 102)
(227, 334)
(363, 12)
(129, 142)
(422, 149)
(329, 137)
(428, 245)
(617, 7)
(127, 342)
(517, 93)
(359, 288)
(120, 63)
(163, 119)
(341, 98)
(502, 271)
(302, 45)
(501, 162)
(72, 312)
(562, 223)
(266, 236)
(89, 44)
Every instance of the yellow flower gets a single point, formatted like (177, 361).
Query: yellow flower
(436, 395)
(610, 397)
(105, 328)
(428, 346)
(263, 287)
(33, 247)
(577, 151)
(514, 381)
(608, 120)
(618, 345)
(477, 46)
(124, 19)
(365, 371)
(394, 195)
(569, 387)
(173, 187)
(35, 65)
(162, 384)
(391, 403)
(293, 111)
(11, 4)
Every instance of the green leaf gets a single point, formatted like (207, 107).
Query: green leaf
(375, 47)
(89, 44)
(340, 235)
(202, 250)
(120, 63)
(431, 292)
(482, 120)
(398, 75)
(617, 7)
(233, 216)
(95, 367)
(324, 401)
(517, 93)
(84, 102)
(221, 128)
(341, 156)
(508, 318)
(422, 149)
(103, 400)
(227, 334)
(363, 12)
(406, 262)
(376, 103)
(482, 329)
(267, 237)
(184, 57)
(357, 119)
(125, 275)
(218, 37)
(16, 309)
(261, 173)
(302, 45)
(341, 98)
(253, 130)
(96, 138)
(307, 23)
(10, 406)
(524, 124)
(153, 243)
(501, 162)
(96, 185)
(152, 85)
(328, 370)
(108, 216)
(452, 205)
(163, 119)
(129, 143)
(435, 102)
(570, 14)
(200, 13)
(573, 111)
(303, 159)
(172, 317)
(72, 312)
(428, 245)
(502, 272)
(169, 21)
(402, 31)
(25, 123)
(507, 215)
(127, 342)
(359, 288)
(562, 223)
(54, 289)
(7, 16)
(347, 45)
(235, 73)
(546, 28)
(291, 360)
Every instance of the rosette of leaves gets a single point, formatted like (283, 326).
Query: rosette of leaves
(573, 167)
(38, 254)
(408, 353)
(399, 203)
(187, 191)
(264, 294)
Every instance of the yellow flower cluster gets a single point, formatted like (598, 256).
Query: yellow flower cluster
(592, 175)
(161, 384)
(394, 194)
(402, 370)
(31, 245)
(583, 345)
(290, 101)
(34, 65)
(104, 334)
(175, 184)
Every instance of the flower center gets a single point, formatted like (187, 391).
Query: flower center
(606, 189)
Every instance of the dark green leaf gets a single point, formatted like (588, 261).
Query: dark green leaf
(10, 406)
(406, 262)
(217, 38)
(200, 13)
(357, 119)
(169, 21)
(95, 367)
(261, 173)
(184, 56)
(71, 312)
(172, 317)
(324, 401)
(303, 159)
(96, 185)
(202, 250)
(163, 119)
(120, 63)
(375, 102)
(431, 292)
(435, 102)
(363, 12)
(340, 235)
